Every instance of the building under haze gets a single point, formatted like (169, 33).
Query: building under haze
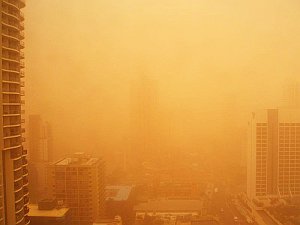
(79, 181)
(48, 212)
(13, 177)
(273, 164)
(145, 148)
(40, 154)
(40, 140)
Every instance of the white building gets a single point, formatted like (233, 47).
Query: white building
(273, 159)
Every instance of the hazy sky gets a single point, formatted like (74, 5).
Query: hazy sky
(213, 62)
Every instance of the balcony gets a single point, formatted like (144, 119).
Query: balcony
(26, 200)
(20, 216)
(25, 191)
(25, 171)
(24, 151)
(18, 164)
(26, 210)
(11, 144)
(22, 44)
(25, 161)
(10, 34)
(19, 206)
(21, 16)
(13, 14)
(11, 112)
(19, 195)
(15, 154)
(18, 175)
(21, 25)
(18, 185)
(22, 65)
(27, 220)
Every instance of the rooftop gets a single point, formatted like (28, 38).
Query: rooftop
(170, 205)
(118, 193)
(79, 159)
(56, 212)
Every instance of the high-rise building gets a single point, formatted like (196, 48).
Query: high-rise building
(79, 182)
(40, 140)
(40, 154)
(145, 147)
(273, 166)
(13, 163)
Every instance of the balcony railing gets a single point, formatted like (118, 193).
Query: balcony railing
(22, 64)
(18, 185)
(26, 199)
(21, 16)
(22, 44)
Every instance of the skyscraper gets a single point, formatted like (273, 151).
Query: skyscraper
(79, 182)
(40, 140)
(144, 122)
(273, 166)
(14, 181)
(40, 154)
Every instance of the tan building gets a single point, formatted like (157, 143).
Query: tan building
(79, 182)
(13, 170)
(273, 166)
(40, 154)
(48, 214)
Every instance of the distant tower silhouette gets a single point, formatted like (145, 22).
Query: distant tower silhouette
(291, 95)
(144, 121)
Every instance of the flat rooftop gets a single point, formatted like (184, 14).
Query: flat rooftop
(170, 205)
(118, 193)
(77, 161)
(35, 212)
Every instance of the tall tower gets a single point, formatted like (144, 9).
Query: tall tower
(144, 122)
(13, 163)
(291, 95)
(41, 153)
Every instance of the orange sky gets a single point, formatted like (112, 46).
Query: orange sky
(213, 61)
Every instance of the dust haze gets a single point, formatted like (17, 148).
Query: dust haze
(203, 66)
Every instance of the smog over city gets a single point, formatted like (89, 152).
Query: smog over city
(139, 112)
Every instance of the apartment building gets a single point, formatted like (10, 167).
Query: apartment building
(273, 166)
(13, 163)
(78, 181)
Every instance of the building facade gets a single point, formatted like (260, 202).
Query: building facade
(40, 155)
(13, 163)
(49, 214)
(79, 182)
(273, 166)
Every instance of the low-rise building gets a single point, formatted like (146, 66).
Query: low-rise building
(119, 202)
(79, 181)
(170, 207)
(48, 213)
